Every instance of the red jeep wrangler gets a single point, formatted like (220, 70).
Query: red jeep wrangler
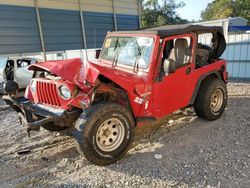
(139, 77)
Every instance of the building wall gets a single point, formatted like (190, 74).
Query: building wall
(61, 23)
(237, 22)
(96, 26)
(237, 55)
(61, 29)
(18, 30)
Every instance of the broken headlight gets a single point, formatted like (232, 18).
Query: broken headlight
(65, 92)
(33, 86)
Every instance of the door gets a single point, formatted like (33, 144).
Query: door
(171, 90)
(23, 76)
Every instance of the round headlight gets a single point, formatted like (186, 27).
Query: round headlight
(65, 92)
(33, 86)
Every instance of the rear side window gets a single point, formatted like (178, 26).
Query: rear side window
(203, 50)
(23, 63)
(205, 39)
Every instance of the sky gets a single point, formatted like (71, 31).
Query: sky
(192, 9)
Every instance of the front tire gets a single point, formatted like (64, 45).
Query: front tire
(104, 133)
(211, 100)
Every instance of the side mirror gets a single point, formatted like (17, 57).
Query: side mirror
(169, 66)
(97, 54)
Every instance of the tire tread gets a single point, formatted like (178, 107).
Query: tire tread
(87, 118)
(202, 101)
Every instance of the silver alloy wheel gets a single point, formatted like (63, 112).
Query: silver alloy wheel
(110, 135)
(216, 100)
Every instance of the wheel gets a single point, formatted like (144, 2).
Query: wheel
(211, 99)
(104, 133)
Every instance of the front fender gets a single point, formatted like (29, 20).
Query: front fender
(81, 100)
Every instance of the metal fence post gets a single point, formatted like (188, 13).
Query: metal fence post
(233, 58)
(114, 14)
(83, 30)
(40, 29)
(139, 12)
(248, 44)
(95, 37)
(240, 62)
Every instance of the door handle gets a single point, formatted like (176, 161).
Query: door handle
(188, 70)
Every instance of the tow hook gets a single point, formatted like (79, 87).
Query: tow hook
(35, 126)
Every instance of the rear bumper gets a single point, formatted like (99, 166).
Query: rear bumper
(33, 116)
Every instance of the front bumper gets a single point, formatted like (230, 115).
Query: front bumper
(33, 116)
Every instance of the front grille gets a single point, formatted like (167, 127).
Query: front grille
(47, 93)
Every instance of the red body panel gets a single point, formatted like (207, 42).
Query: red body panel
(147, 97)
(175, 91)
(47, 93)
(126, 80)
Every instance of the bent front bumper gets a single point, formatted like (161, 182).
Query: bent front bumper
(33, 116)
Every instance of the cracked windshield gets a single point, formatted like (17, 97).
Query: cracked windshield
(132, 51)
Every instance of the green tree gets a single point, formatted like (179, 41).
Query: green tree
(219, 9)
(160, 12)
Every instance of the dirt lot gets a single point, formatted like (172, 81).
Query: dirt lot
(183, 152)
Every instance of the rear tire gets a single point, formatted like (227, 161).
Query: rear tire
(104, 133)
(211, 99)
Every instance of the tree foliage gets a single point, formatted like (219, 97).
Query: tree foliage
(219, 9)
(160, 12)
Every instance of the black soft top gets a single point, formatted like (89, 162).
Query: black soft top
(168, 30)
(219, 43)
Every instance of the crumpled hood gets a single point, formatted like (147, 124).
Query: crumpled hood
(73, 70)
(78, 72)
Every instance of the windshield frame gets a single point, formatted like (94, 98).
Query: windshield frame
(130, 67)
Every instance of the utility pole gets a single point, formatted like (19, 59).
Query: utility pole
(40, 29)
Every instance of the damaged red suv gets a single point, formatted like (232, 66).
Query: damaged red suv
(140, 77)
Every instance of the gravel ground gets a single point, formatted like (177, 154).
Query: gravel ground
(183, 152)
